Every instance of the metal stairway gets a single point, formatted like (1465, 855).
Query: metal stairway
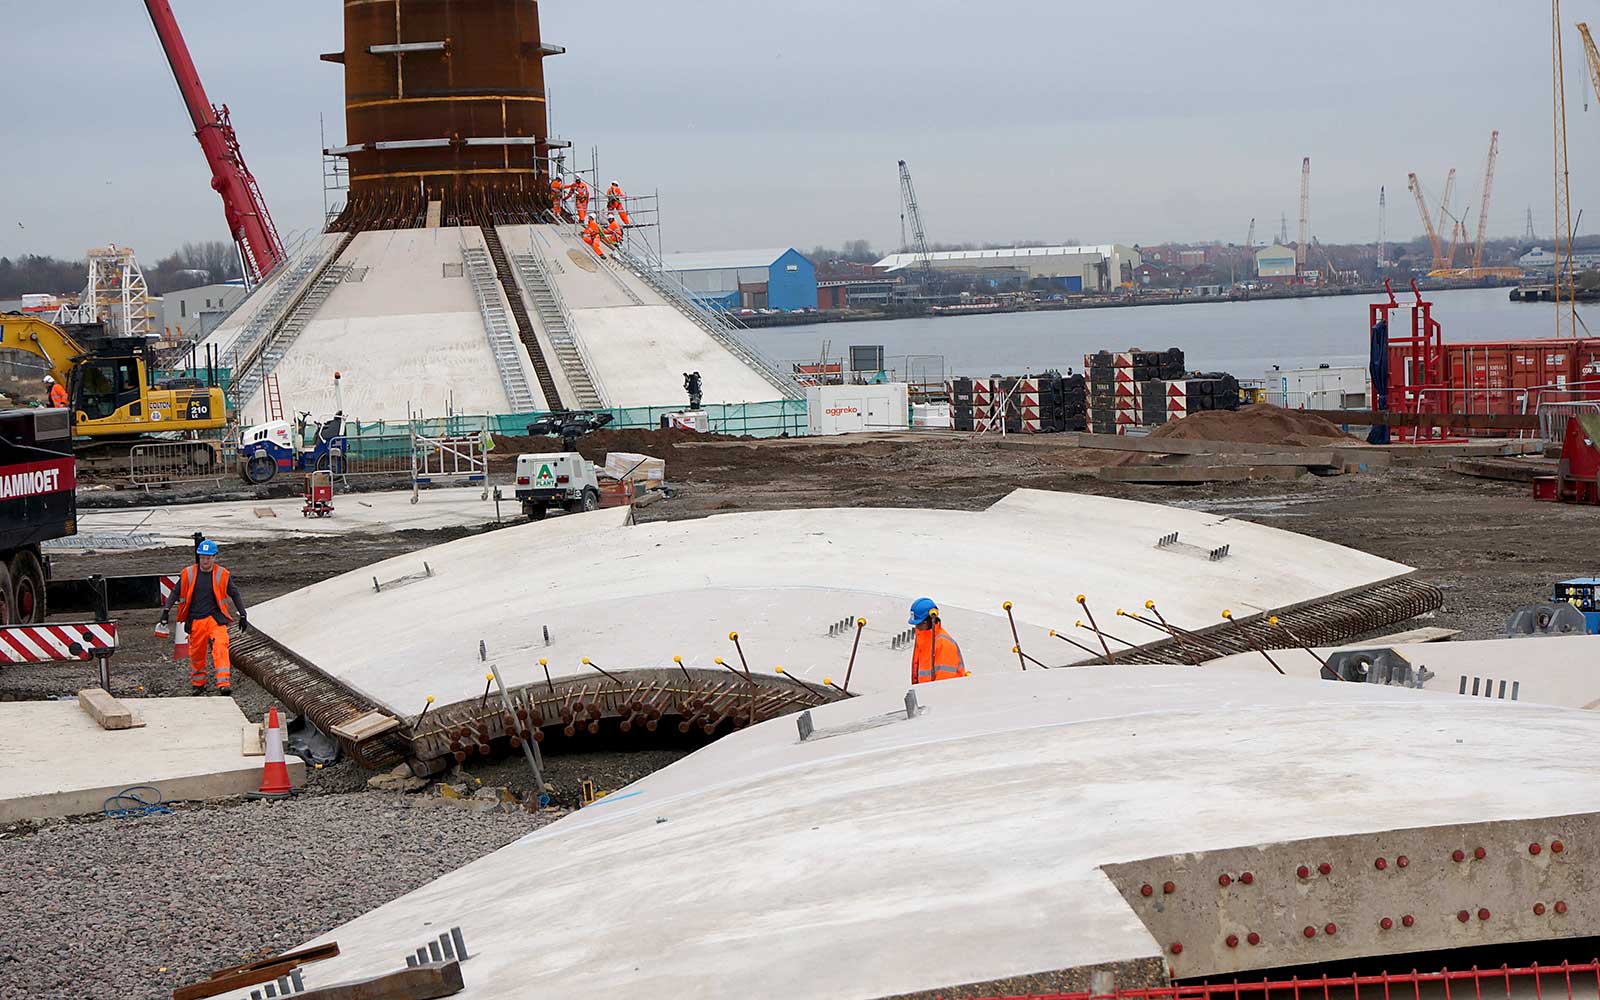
(519, 311)
(502, 340)
(255, 353)
(558, 326)
(709, 320)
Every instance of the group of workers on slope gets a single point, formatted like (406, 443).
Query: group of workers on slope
(573, 202)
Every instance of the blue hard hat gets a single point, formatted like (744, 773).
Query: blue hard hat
(921, 608)
(206, 548)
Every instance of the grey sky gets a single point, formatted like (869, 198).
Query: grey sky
(766, 124)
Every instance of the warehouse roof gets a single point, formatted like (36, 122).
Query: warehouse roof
(716, 260)
(895, 261)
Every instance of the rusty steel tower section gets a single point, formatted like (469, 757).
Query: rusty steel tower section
(444, 113)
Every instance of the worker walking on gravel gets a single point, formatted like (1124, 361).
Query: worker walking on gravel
(207, 603)
(934, 655)
(58, 395)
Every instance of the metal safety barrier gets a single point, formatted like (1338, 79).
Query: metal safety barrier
(1553, 417)
(462, 458)
(161, 462)
(1572, 981)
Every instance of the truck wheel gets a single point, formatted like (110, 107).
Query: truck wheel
(259, 470)
(8, 603)
(590, 501)
(28, 590)
(535, 511)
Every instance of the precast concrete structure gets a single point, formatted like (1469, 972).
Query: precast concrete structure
(1017, 833)
(654, 604)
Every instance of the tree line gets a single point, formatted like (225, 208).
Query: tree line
(190, 266)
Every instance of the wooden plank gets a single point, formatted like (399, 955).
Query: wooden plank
(1320, 459)
(1510, 470)
(1449, 421)
(1165, 446)
(423, 982)
(252, 741)
(1196, 474)
(365, 727)
(1430, 633)
(264, 971)
(107, 711)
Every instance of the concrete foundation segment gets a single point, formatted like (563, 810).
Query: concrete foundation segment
(1026, 815)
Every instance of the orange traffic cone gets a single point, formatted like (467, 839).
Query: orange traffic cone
(275, 772)
(180, 642)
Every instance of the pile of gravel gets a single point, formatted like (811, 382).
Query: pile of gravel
(138, 907)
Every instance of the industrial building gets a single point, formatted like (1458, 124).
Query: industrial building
(1077, 268)
(782, 279)
(1276, 262)
(192, 314)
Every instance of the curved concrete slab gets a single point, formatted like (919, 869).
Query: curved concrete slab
(1015, 820)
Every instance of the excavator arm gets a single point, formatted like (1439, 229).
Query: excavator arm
(46, 341)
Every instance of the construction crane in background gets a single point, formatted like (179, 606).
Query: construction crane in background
(1566, 302)
(910, 210)
(1250, 240)
(260, 248)
(1427, 220)
(1488, 189)
(1445, 214)
(1383, 226)
(1305, 212)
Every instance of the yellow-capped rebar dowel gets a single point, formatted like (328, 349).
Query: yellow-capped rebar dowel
(734, 636)
(590, 663)
(791, 678)
(545, 665)
(1321, 662)
(1105, 647)
(1016, 640)
(1203, 649)
(488, 681)
(679, 661)
(850, 668)
(1073, 642)
(1262, 649)
(424, 713)
(829, 682)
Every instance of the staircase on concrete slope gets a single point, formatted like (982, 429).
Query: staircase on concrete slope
(497, 325)
(558, 327)
(255, 353)
(709, 320)
(519, 312)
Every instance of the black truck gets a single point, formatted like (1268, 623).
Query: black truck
(38, 502)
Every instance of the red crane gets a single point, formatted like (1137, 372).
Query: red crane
(251, 226)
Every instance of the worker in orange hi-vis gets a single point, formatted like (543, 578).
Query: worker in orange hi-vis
(558, 197)
(934, 655)
(592, 237)
(617, 202)
(58, 395)
(613, 232)
(580, 198)
(207, 602)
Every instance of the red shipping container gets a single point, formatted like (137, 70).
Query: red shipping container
(1512, 376)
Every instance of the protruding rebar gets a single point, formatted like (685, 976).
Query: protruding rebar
(547, 681)
(1016, 642)
(861, 624)
(590, 663)
(1073, 642)
(679, 661)
(1083, 602)
(793, 679)
(1262, 649)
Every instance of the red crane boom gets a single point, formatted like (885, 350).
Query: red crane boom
(251, 226)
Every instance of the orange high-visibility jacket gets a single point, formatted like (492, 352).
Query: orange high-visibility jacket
(58, 396)
(591, 229)
(935, 656)
(580, 189)
(219, 589)
(614, 193)
(558, 189)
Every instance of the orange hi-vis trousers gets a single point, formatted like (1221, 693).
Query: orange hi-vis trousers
(204, 635)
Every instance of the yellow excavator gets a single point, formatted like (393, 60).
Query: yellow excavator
(113, 397)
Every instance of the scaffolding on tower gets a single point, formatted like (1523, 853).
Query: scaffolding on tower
(114, 295)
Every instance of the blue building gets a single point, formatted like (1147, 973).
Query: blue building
(781, 279)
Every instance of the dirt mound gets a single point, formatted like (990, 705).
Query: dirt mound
(1260, 423)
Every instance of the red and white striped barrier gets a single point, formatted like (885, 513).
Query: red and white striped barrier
(55, 643)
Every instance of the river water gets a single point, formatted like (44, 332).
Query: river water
(1244, 338)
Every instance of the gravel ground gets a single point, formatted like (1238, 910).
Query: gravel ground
(136, 908)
